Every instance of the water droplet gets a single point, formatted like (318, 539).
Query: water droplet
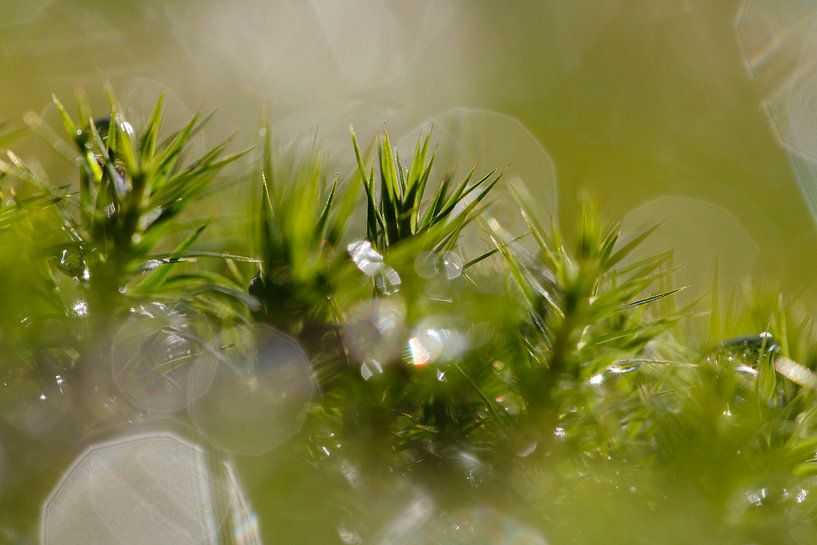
(387, 281)
(371, 263)
(802, 496)
(426, 264)
(559, 432)
(80, 309)
(511, 403)
(527, 449)
(756, 497)
(367, 259)
(435, 344)
(452, 265)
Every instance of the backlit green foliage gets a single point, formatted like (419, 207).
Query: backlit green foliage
(555, 381)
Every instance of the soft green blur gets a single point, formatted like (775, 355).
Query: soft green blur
(632, 100)
(647, 105)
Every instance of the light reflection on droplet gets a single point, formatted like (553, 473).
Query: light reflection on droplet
(257, 392)
(452, 265)
(365, 257)
(801, 496)
(371, 263)
(152, 488)
(80, 308)
(430, 344)
(387, 281)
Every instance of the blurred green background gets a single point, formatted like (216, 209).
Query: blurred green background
(695, 113)
(631, 100)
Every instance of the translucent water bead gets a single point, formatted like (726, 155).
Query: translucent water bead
(148, 489)
(153, 357)
(257, 390)
(371, 263)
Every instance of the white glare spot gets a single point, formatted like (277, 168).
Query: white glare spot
(80, 308)
(452, 265)
(756, 497)
(596, 380)
(802, 495)
(435, 344)
(365, 257)
(559, 433)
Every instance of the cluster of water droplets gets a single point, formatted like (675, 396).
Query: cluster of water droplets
(371, 263)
